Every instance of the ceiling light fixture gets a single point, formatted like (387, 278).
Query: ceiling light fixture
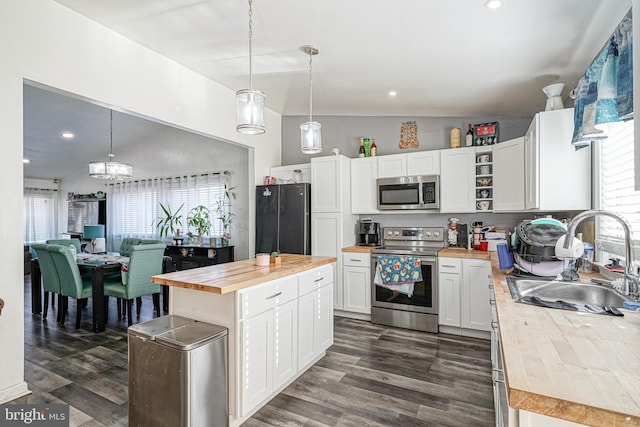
(310, 132)
(67, 135)
(392, 93)
(250, 102)
(493, 4)
(26, 161)
(110, 170)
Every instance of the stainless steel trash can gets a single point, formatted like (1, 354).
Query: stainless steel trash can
(178, 373)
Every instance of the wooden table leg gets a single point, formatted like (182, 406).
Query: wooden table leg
(36, 287)
(97, 296)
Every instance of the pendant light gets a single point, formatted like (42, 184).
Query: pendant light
(250, 102)
(310, 132)
(110, 169)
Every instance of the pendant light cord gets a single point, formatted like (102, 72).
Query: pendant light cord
(111, 155)
(250, 50)
(310, 87)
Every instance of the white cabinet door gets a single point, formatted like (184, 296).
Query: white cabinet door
(392, 166)
(306, 335)
(256, 360)
(357, 289)
(285, 342)
(326, 240)
(330, 184)
(531, 165)
(508, 175)
(551, 162)
(323, 327)
(423, 163)
(449, 299)
(457, 180)
(476, 309)
(364, 197)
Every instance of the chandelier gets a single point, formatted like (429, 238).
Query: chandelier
(110, 169)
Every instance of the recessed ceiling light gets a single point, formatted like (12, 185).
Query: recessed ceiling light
(67, 135)
(493, 4)
(392, 93)
(26, 161)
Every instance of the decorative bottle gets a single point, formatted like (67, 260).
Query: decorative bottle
(373, 149)
(469, 137)
(361, 149)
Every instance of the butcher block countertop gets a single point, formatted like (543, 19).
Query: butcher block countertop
(574, 366)
(464, 253)
(233, 276)
(359, 249)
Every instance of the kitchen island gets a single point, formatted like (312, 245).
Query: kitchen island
(280, 320)
(563, 367)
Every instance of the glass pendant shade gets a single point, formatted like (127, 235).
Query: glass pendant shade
(110, 170)
(311, 137)
(250, 104)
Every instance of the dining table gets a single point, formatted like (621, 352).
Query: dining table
(95, 265)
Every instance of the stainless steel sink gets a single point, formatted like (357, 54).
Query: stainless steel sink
(571, 292)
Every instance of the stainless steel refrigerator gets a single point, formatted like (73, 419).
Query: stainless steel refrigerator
(283, 218)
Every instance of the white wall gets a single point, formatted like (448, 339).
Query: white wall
(44, 42)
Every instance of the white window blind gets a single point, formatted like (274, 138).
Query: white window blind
(39, 215)
(616, 191)
(134, 206)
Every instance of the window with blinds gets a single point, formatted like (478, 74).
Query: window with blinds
(39, 215)
(616, 193)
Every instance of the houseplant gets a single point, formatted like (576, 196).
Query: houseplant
(224, 214)
(168, 223)
(199, 218)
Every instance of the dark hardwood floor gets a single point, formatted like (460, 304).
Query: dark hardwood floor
(372, 376)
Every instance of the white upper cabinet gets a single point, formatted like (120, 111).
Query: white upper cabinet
(364, 172)
(423, 163)
(419, 163)
(557, 177)
(284, 174)
(392, 166)
(508, 176)
(457, 180)
(330, 179)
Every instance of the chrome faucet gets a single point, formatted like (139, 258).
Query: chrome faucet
(632, 280)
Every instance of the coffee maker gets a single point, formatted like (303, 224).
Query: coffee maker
(368, 233)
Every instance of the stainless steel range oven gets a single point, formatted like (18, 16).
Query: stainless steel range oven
(420, 311)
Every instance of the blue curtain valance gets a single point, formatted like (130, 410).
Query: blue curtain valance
(605, 93)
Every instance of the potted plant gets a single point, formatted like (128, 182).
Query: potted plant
(275, 259)
(168, 223)
(199, 218)
(224, 214)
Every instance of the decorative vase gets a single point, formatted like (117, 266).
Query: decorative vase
(225, 242)
(275, 261)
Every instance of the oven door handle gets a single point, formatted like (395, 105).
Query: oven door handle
(422, 258)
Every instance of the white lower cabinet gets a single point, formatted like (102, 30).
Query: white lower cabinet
(315, 321)
(356, 282)
(285, 325)
(463, 296)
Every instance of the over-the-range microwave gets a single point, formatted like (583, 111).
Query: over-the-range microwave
(409, 192)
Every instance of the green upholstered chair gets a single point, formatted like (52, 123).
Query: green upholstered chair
(145, 261)
(127, 244)
(65, 242)
(50, 281)
(71, 283)
(150, 241)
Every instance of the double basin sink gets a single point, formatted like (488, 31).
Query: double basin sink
(570, 292)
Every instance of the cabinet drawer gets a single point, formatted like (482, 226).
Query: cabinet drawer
(449, 265)
(316, 278)
(260, 298)
(354, 259)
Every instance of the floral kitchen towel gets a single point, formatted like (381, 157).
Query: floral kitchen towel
(398, 273)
